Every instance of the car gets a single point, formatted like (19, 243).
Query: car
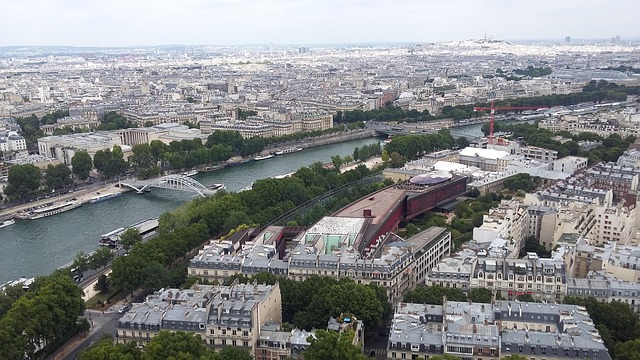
(123, 309)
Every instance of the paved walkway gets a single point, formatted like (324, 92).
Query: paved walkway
(83, 195)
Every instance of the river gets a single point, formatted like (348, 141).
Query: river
(37, 247)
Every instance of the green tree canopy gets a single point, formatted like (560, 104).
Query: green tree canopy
(82, 164)
(106, 349)
(130, 237)
(58, 176)
(24, 181)
(434, 295)
(481, 295)
(173, 344)
(331, 345)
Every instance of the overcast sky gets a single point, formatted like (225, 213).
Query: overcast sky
(230, 22)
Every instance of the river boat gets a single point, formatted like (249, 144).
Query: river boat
(145, 228)
(288, 151)
(215, 186)
(7, 223)
(191, 173)
(284, 176)
(49, 210)
(212, 168)
(237, 160)
(104, 197)
(263, 157)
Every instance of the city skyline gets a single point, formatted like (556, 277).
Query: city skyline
(228, 22)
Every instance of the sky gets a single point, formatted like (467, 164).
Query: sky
(286, 22)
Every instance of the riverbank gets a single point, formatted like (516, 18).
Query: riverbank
(370, 164)
(82, 196)
(324, 140)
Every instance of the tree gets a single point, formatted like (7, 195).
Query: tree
(130, 237)
(102, 284)
(82, 164)
(106, 349)
(434, 295)
(526, 298)
(23, 181)
(233, 353)
(628, 350)
(444, 357)
(337, 161)
(462, 142)
(100, 257)
(142, 157)
(481, 295)
(356, 153)
(171, 344)
(58, 176)
(349, 297)
(81, 262)
(331, 345)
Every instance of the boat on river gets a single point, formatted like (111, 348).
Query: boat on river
(212, 168)
(191, 173)
(263, 157)
(104, 197)
(48, 210)
(215, 186)
(7, 223)
(288, 151)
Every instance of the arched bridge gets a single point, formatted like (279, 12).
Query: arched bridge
(172, 182)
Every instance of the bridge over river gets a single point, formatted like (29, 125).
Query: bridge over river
(173, 182)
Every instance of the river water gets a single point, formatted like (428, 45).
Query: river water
(37, 247)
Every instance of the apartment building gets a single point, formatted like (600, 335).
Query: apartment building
(538, 153)
(620, 179)
(606, 288)
(167, 309)
(485, 159)
(73, 122)
(544, 279)
(329, 249)
(613, 223)
(509, 221)
(569, 164)
(492, 331)
(275, 344)
(238, 313)
(621, 261)
(221, 315)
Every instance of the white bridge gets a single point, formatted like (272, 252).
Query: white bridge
(172, 182)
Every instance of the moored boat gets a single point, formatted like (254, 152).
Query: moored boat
(263, 157)
(215, 186)
(7, 223)
(190, 173)
(104, 197)
(49, 210)
(288, 151)
(213, 168)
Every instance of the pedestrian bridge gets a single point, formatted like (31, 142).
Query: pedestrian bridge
(171, 182)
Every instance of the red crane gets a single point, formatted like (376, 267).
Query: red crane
(493, 109)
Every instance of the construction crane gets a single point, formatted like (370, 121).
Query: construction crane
(493, 110)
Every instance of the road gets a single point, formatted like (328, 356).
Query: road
(102, 324)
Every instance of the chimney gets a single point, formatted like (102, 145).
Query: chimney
(366, 213)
